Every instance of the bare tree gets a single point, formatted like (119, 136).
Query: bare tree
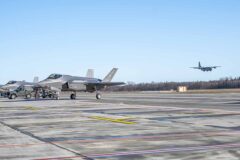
(223, 83)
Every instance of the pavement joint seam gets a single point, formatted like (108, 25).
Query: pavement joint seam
(44, 141)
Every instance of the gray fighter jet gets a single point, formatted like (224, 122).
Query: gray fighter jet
(12, 85)
(205, 69)
(28, 89)
(79, 84)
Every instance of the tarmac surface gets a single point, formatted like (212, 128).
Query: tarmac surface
(122, 126)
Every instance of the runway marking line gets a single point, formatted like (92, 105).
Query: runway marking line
(155, 137)
(31, 108)
(206, 148)
(121, 120)
(125, 138)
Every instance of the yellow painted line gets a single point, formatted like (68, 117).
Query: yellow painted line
(31, 108)
(122, 120)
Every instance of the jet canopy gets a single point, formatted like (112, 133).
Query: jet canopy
(12, 82)
(54, 76)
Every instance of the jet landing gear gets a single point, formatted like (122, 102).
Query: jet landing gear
(73, 95)
(98, 96)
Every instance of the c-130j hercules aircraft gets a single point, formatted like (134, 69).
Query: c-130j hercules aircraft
(78, 84)
(205, 69)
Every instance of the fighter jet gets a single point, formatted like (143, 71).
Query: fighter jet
(27, 89)
(79, 84)
(12, 85)
(205, 69)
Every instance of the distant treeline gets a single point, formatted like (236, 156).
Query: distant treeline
(224, 83)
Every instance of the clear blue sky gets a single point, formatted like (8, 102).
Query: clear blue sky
(148, 40)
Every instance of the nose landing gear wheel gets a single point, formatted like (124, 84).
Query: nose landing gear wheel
(98, 96)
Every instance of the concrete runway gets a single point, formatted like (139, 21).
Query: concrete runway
(122, 126)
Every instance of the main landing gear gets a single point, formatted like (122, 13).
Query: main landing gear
(98, 96)
(73, 95)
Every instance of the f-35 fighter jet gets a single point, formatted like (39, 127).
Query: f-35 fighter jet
(79, 84)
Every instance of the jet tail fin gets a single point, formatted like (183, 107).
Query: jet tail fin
(110, 75)
(90, 73)
(35, 80)
(199, 64)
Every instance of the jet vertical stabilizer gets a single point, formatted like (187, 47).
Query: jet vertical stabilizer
(90, 73)
(110, 75)
(35, 80)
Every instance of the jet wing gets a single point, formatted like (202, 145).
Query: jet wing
(195, 67)
(215, 67)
